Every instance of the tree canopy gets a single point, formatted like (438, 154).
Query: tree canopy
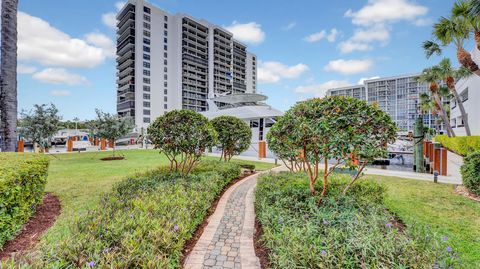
(40, 124)
(234, 135)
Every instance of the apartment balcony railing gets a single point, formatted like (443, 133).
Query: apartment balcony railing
(126, 105)
(126, 64)
(127, 88)
(129, 16)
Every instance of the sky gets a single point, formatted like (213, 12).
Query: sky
(66, 52)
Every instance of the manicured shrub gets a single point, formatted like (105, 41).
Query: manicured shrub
(337, 128)
(144, 222)
(348, 231)
(183, 136)
(22, 183)
(471, 172)
(234, 136)
(462, 145)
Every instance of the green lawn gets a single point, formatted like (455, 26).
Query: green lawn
(80, 179)
(437, 206)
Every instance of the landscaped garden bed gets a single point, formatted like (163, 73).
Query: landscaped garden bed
(144, 221)
(355, 230)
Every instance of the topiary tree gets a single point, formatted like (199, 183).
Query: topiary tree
(234, 136)
(40, 125)
(111, 127)
(471, 172)
(348, 131)
(183, 136)
(279, 141)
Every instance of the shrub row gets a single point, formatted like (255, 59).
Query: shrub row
(462, 145)
(144, 222)
(471, 172)
(22, 183)
(352, 231)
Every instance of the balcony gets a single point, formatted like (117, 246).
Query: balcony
(127, 63)
(126, 79)
(125, 35)
(126, 71)
(128, 16)
(126, 55)
(126, 105)
(126, 89)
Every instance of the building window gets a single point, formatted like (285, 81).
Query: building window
(165, 18)
(146, 120)
(165, 106)
(464, 95)
(146, 104)
(146, 72)
(165, 91)
(166, 25)
(146, 112)
(165, 62)
(146, 64)
(146, 88)
(165, 77)
(146, 56)
(165, 33)
(146, 33)
(165, 69)
(146, 25)
(165, 40)
(165, 47)
(146, 17)
(165, 55)
(146, 41)
(146, 96)
(146, 48)
(165, 84)
(146, 10)
(254, 124)
(146, 80)
(165, 99)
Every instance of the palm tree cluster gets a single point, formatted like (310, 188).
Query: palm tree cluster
(454, 30)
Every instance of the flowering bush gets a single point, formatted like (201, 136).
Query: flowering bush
(349, 231)
(144, 222)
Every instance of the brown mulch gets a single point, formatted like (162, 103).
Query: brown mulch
(113, 158)
(462, 190)
(261, 251)
(190, 244)
(44, 217)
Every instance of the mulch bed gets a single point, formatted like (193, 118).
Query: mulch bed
(462, 190)
(44, 217)
(190, 244)
(113, 158)
(261, 251)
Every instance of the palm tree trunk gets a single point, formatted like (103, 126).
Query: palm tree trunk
(8, 76)
(462, 110)
(444, 116)
(477, 39)
(466, 60)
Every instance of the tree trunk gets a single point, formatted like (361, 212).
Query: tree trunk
(325, 175)
(444, 115)
(477, 39)
(462, 110)
(466, 60)
(8, 76)
(113, 147)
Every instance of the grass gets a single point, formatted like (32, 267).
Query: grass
(80, 179)
(441, 209)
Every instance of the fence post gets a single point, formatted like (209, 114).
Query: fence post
(262, 149)
(69, 145)
(444, 159)
(21, 146)
(103, 144)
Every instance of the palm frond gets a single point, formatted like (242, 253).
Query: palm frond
(430, 48)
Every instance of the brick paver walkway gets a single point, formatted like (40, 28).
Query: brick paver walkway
(227, 241)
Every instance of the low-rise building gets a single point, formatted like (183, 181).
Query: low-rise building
(469, 91)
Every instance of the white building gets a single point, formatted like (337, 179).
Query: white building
(167, 62)
(469, 91)
(399, 96)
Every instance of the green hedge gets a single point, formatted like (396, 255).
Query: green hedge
(353, 231)
(462, 145)
(144, 222)
(471, 172)
(22, 183)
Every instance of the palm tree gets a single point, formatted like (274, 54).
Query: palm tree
(469, 10)
(431, 76)
(8, 77)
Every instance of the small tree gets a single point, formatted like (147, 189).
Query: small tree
(183, 136)
(111, 127)
(234, 136)
(346, 130)
(40, 125)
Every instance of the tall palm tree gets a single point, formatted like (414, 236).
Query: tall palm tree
(431, 76)
(469, 10)
(8, 75)
(449, 75)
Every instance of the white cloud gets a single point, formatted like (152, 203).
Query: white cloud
(247, 32)
(290, 26)
(351, 46)
(119, 5)
(102, 41)
(41, 42)
(59, 76)
(272, 72)
(110, 20)
(315, 37)
(25, 69)
(320, 90)
(362, 80)
(348, 67)
(423, 22)
(62, 93)
(362, 38)
(386, 11)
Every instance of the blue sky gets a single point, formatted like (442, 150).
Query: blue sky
(66, 54)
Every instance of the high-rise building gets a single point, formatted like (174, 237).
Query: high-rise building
(399, 96)
(167, 62)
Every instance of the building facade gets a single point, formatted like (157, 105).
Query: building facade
(469, 91)
(399, 96)
(167, 62)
